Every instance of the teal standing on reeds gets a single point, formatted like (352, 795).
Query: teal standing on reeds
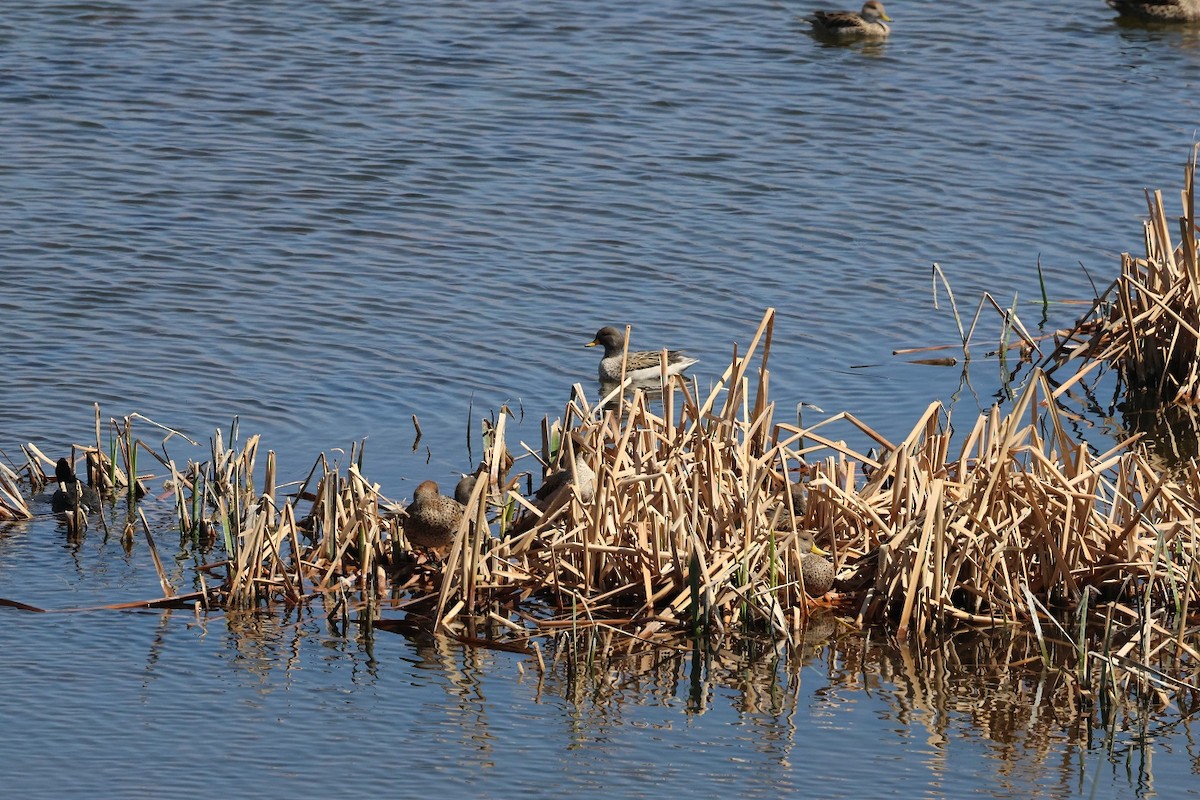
(71, 492)
(871, 22)
(432, 518)
(1158, 10)
(640, 366)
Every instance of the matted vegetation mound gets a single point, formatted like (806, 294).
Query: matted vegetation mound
(685, 521)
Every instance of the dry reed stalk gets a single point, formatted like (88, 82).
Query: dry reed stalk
(1012, 522)
(163, 580)
(12, 502)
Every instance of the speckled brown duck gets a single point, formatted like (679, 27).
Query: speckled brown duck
(580, 473)
(432, 518)
(871, 22)
(817, 570)
(799, 500)
(1158, 10)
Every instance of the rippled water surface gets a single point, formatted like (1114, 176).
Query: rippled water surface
(328, 218)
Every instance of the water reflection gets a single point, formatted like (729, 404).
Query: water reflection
(872, 48)
(989, 685)
(1172, 431)
(974, 712)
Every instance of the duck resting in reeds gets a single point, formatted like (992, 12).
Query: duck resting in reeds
(799, 499)
(464, 488)
(578, 474)
(1158, 10)
(642, 365)
(816, 569)
(432, 518)
(871, 22)
(71, 492)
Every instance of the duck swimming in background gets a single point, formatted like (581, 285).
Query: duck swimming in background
(642, 365)
(71, 492)
(1158, 10)
(872, 22)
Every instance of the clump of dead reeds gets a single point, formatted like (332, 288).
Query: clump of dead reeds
(680, 525)
(674, 518)
(1022, 520)
(1146, 325)
(1015, 522)
(273, 553)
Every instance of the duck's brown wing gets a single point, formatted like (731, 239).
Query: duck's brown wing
(837, 21)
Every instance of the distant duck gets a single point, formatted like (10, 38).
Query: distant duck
(71, 492)
(433, 518)
(1158, 10)
(642, 365)
(871, 22)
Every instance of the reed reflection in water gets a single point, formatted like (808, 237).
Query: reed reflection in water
(837, 714)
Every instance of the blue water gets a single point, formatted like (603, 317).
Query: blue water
(328, 218)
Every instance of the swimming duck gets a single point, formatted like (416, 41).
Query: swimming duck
(433, 518)
(639, 366)
(1158, 10)
(71, 492)
(872, 21)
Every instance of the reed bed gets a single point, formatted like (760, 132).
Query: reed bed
(686, 530)
(1146, 324)
(688, 522)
